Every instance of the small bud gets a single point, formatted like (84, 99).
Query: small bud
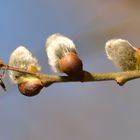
(70, 64)
(30, 86)
(22, 58)
(123, 54)
(62, 55)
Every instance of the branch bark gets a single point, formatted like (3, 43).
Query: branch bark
(120, 77)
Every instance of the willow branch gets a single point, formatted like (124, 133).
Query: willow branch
(120, 77)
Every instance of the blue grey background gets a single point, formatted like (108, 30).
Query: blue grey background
(70, 111)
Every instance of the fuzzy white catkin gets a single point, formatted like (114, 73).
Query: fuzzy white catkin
(57, 46)
(21, 58)
(121, 53)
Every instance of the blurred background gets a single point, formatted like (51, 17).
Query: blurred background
(70, 111)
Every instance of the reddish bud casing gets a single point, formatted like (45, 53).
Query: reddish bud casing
(30, 87)
(71, 64)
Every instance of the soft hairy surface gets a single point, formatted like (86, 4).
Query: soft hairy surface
(121, 53)
(57, 46)
(23, 59)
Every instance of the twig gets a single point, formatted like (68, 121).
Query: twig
(120, 77)
(7, 67)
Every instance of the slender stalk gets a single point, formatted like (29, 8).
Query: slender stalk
(120, 77)
(7, 67)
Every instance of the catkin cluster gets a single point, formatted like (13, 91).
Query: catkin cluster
(64, 58)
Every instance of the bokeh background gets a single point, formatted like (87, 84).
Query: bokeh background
(70, 111)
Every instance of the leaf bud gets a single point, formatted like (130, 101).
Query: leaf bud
(62, 55)
(23, 59)
(30, 86)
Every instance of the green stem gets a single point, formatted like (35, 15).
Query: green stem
(120, 77)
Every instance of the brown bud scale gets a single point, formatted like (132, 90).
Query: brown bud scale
(71, 64)
(30, 88)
